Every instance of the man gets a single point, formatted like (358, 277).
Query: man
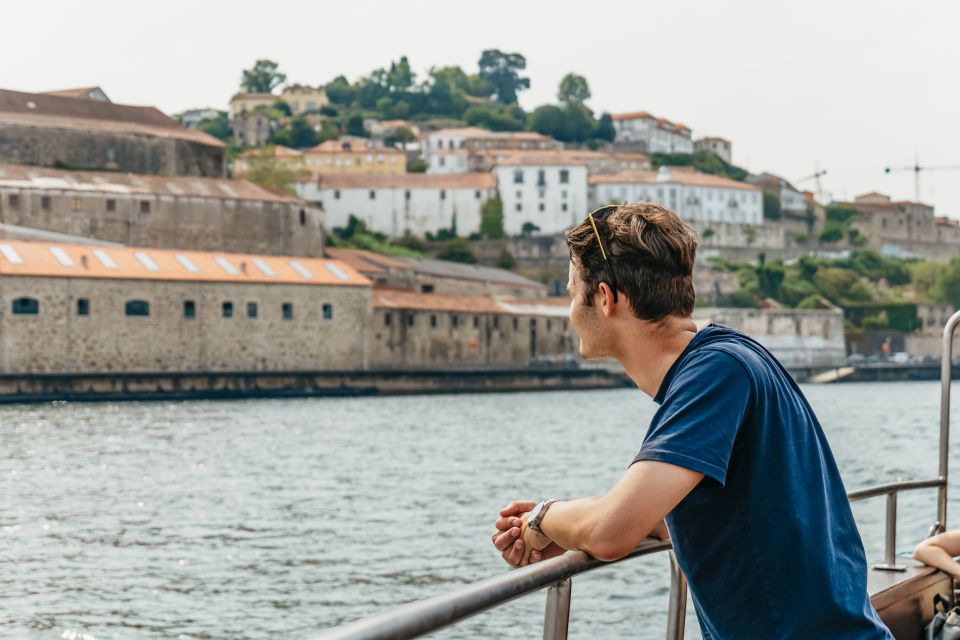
(734, 457)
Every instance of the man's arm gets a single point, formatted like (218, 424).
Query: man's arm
(939, 552)
(608, 526)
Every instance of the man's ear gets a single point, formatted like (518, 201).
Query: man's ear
(605, 298)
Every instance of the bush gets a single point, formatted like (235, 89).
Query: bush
(457, 250)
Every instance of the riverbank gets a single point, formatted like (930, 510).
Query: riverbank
(92, 387)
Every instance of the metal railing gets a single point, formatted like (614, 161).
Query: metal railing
(418, 618)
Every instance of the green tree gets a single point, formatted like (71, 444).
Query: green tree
(605, 130)
(578, 123)
(339, 91)
(495, 118)
(457, 250)
(400, 78)
(573, 90)
(297, 134)
(283, 108)
(547, 120)
(263, 77)
(355, 126)
(502, 71)
(771, 206)
(947, 287)
(506, 260)
(218, 127)
(529, 228)
(491, 219)
(832, 232)
(267, 173)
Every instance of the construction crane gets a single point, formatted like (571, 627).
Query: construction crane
(819, 173)
(916, 169)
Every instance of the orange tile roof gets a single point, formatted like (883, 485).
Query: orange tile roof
(541, 157)
(634, 115)
(58, 112)
(25, 177)
(407, 181)
(255, 96)
(272, 151)
(367, 261)
(79, 92)
(47, 259)
(677, 176)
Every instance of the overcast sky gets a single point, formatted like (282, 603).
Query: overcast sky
(849, 86)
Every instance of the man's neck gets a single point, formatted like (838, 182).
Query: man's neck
(651, 349)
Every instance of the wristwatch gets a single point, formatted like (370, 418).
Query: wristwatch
(536, 515)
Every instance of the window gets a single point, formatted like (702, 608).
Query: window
(563, 194)
(426, 288)
(373, 194)
(443, 194)
(496, 322)
(410, 320)
(251, 309)
(287, 310)
(564, 176)
(14, 200)
(336, 194)
(540, 206)
(563, 207)
(454, 320)
(476, 194)
(548, 325)
(542, 193)
(137, 308)
(476, 322)
(442, 161)
(518, 176)
(406, 194)
(227, 309)
(387, 318)
(189, 309)
(45, 203)
(519, 194)
(303, 217)
(516, 324)
(327, 311)
(144, 206)
(111, 205)
(541, 178)
(519, 207)
(433, 320)
(26, 307)
(83, 306)
(75, 204)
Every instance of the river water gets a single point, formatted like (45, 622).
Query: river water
(281, 518)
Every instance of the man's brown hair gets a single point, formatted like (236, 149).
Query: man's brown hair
(650, 254)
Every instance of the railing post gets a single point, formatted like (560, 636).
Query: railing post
(556, 617)
(946, 375)
(677, 613)
(890, 549)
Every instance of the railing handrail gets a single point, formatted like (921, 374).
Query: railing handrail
(417, 618)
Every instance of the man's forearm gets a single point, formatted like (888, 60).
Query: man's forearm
(585, 525)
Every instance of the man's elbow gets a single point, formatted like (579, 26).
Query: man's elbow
(609, 545)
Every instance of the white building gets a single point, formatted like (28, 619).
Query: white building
(546, 190)
(792, 200)
(192, 117)
(694, 196)
(718, 146)
(402, 204)
(655, 135)
(470, 148)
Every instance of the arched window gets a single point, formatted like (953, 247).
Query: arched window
(26, 307)
(137, 308)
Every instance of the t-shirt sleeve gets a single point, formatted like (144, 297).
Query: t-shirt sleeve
(702, 411)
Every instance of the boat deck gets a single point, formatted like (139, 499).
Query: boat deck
(904, 599)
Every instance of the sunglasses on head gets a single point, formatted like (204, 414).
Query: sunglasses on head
(598, 214)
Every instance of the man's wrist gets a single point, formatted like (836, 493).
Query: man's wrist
(536, 517)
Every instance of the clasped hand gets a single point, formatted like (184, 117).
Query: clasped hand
(516, 541)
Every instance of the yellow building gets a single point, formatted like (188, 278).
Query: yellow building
(304, 99)
(244, 102)
(278, 155)
(353, 155)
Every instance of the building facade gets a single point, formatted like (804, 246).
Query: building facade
(720, 147)
(82, 309)
(693, 195)
(245, 102)
(304, 99)
(541, 193)
(652, 134)
(160, 211)
(402, 204)
(903, 229)
(83, 133)
(474, 149)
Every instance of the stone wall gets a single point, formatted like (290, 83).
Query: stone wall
(169, 222)
(58, 340)
(418, 338)
(107, 150)
(800, 339)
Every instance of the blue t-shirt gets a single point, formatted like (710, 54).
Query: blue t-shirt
(767, 540)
